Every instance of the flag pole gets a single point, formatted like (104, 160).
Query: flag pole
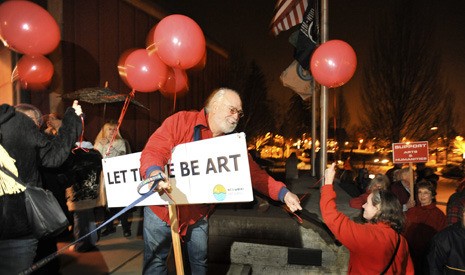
(324, 93)
(314, 114)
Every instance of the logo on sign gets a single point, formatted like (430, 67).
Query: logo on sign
(219, 192)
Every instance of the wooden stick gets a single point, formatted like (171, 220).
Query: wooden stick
(412, 190)
(176, 239)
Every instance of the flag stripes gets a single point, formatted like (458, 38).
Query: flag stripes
(288, 14)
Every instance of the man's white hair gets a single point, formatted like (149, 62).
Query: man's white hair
(216, 95)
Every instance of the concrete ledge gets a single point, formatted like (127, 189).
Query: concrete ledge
(271, 259)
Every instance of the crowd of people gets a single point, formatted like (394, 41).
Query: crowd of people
(48, 151)
(430, 234)
(400, 229)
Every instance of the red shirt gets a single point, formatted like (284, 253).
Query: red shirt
(423, 222)
(371, 246)
(178, 129)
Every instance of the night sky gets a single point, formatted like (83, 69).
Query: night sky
(245, 23)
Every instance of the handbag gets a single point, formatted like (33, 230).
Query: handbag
(43, 210)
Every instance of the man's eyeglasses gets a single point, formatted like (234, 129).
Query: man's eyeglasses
(234, 111)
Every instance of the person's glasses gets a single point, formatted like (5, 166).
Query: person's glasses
(233, 111)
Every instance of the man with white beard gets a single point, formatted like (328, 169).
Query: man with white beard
(221, 114)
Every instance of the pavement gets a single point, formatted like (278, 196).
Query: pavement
(116, 254)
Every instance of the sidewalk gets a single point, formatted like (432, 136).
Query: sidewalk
(115, 254)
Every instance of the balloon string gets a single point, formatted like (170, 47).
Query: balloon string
(174, 102)
(81, 138)
(120, 120)
(14, 74)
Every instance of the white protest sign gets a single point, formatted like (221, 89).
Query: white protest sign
(213, 170)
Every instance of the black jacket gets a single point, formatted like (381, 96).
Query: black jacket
(30, 149)
(447, 252)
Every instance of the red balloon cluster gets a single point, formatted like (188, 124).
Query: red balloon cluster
(178, 43)
(27, 28)
(333, 63)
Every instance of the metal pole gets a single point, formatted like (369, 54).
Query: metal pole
(324, 93)
(314, 113)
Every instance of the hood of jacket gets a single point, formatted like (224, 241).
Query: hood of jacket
(6, 112)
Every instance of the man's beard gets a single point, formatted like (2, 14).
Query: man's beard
(227, 127)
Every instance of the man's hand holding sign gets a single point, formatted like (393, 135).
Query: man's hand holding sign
(163, 185)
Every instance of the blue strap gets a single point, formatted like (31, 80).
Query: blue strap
(197, 135)
(44, 261)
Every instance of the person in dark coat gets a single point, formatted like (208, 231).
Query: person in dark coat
(446, 254)
(25, 148)
(54, 181)
(85, 194)
(455, 204)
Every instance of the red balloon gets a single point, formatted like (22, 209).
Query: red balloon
(177, 82)
(34, 72)
(35, 86)
(333, 63)
(143, 72)
(201, 65)
(27, 28)
(122, 65)
(179, 41)
(150, 42)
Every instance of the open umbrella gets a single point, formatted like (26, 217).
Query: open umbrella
(97, 95)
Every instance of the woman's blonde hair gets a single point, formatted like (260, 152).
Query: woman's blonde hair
(104, 130)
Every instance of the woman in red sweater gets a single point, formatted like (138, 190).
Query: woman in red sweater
(376, 247)
(423, 222)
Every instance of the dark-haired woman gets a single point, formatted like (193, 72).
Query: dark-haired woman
(423, 221)
(376, 247)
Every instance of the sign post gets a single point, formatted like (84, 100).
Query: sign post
(176, 239)
(410, 152)
(204, 171)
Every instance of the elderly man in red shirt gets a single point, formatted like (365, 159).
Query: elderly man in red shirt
(220, 116)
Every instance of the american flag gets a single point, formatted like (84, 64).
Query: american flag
(288, 14)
